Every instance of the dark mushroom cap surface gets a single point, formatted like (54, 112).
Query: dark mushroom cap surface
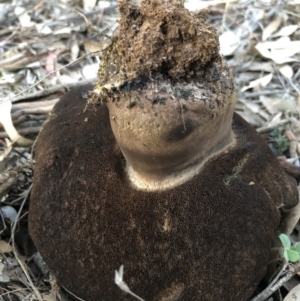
(207, 239)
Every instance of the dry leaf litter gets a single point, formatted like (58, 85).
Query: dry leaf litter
(46, 48)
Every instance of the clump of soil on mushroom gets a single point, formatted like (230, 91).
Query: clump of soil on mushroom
(157, 37)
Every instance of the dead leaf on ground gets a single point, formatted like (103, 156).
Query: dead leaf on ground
(287, 71)
(260, 82)
(275, 105)
(280, 51)
(286, 31)
(6, 121)
(229, 42)
(5, 247)
(271, 28)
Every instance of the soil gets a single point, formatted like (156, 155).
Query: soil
(158, 37)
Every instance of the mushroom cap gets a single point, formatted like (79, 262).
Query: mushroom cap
(207, 239)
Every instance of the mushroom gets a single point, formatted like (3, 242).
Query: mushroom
(154, 171)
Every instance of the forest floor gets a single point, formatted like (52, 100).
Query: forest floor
(49, 47)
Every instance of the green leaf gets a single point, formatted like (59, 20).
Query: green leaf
(285, 255)
(293, 255)
(285, 241)
(297, 247)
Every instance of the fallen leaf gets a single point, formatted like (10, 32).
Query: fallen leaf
(255, 108)
(263, 82)
(23, 16)
(286, 71)
(65, 30)
(88, 5)
(275, 105)
(271, 28)
(229, 42)
(5, 247)
(286, 31)
(106, 4)
(261, 66)
(4, 278)
(277, 52)
(92, 46)
(9, 213)
(90, 71)
(44, 29)
(6, 121)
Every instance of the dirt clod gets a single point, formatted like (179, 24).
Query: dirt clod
(157, 37)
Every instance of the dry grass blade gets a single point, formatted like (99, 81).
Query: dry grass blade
(21, 263)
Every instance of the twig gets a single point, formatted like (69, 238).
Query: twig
(274, 286)
(72, 293)
(53, 89)
(271, 127)
(36, 292)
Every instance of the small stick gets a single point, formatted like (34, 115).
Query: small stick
(273, 287)
(36, 292)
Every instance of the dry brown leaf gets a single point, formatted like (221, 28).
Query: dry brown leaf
(261, 82)
(292, 143)
(286, 31)
(5, 247)
(51, 61)
(229, 42)
(92, 46)
(271, 28)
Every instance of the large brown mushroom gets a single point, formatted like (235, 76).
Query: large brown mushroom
(152, 172)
